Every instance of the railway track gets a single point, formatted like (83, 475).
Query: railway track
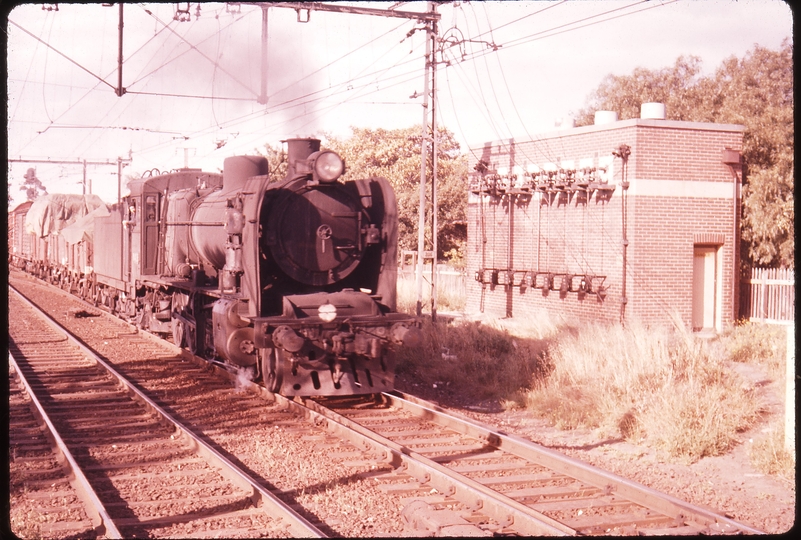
(528, 489)
(38, 469)
(434, 472)
(143, 473)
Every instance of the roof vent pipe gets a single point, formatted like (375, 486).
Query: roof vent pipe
(605, 117)
(652, 111)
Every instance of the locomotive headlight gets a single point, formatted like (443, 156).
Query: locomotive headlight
(327, 312)
(328, 166)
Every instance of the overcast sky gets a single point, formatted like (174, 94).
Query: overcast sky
(192, 87)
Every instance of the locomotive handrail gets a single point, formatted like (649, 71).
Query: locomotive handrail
(198, 223)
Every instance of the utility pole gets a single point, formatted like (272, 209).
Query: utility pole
(263, 95)
(186, 150)
(432, 36)
(120, 90)
(430, 61)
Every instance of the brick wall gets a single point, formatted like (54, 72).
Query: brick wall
(679, 196)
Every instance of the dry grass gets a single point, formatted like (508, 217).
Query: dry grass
(761, 344)
(652, 385)
(483, 362)
(764, 345)
(770, 456)
(450, 294)
(663, 387)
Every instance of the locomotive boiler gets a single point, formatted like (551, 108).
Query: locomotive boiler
(294, 279)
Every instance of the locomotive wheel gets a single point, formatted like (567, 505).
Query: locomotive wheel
(270, 370)
(178, 333)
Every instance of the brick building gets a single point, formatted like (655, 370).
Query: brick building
(553, 222)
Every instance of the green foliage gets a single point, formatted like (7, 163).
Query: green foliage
(755, 91)
(395, 155)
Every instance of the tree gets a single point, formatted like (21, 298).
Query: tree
(32, 186)
(678, 87)
(395, 155)
(755, 91)
(276, 160)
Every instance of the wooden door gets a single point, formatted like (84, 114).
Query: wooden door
(704, 287)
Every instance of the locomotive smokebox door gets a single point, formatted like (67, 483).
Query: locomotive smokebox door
(318, 236)
(233, 338)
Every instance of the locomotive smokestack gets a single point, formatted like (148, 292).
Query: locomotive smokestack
(299, 150)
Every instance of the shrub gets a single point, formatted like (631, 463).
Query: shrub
(652, 383)
(756, 343)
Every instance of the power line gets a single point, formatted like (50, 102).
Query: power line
(165, 27)
(124, 128)
(538, 35)
(550, 5)
(201, 53)
(98, 77)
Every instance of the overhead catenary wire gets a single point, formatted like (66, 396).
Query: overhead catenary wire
(309, 100)
(234, 21)
(551, 32)
(344, 101)
(185, 94)
(89, 90)
(204, 55)
(98, 77)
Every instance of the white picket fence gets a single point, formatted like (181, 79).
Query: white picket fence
(768, 295)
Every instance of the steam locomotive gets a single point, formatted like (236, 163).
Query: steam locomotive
(294, 279)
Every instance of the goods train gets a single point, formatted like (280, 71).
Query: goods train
(294, 279)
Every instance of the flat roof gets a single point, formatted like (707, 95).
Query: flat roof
(620, 124)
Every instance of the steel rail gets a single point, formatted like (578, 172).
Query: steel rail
(638, 493)
(504, 510)
(103, 524)
(475, 495)
(297, 525)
